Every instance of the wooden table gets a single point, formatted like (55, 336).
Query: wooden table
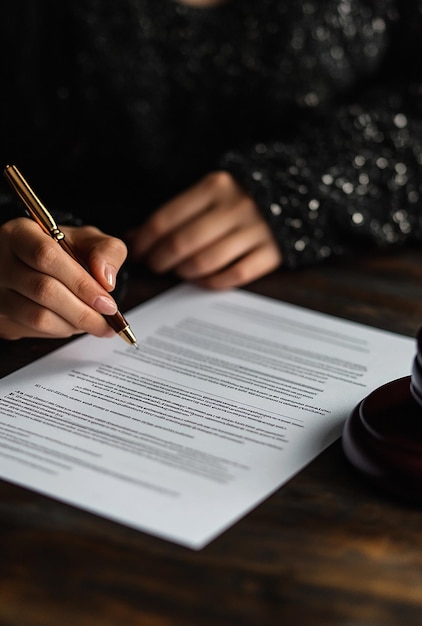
(325, 549)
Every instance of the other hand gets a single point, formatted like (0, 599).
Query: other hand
(212, 234)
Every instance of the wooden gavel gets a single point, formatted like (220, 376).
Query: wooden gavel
(382, 438)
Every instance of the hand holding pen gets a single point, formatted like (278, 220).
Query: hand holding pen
(45, 293)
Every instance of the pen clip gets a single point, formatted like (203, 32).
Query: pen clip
(32, 203)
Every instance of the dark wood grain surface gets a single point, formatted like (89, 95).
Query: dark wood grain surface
(326, 549)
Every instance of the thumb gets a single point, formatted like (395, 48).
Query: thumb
(102, 254)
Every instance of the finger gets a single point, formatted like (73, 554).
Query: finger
(201, 233)
(169, 218)
(13, 330)
(215, 188)
(257, 263)
(21, 317)
(49, 293)
(106, 254)
(52, 296)
(45, 256)
(228, 250)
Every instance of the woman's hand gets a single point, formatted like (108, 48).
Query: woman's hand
(44, 292)
(212, 234)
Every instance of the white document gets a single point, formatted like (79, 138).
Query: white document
(229, 395)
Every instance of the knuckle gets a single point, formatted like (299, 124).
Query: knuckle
(84, 319)
(157, 225)
(8, 228)
(40, 319)
(213, 282)
(42, 287)
(45, 255)
(15, 227)
(199, 266)
(82, 285)
(239, 274)
(220, 180)
(177, 245)
(117, 247)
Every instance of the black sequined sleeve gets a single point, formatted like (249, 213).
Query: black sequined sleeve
(351, 184)
(352, 177)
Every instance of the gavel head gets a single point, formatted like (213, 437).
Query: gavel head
(416, 377)
(382, 438)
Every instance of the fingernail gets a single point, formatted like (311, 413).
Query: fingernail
(110, 275)
(105, 305)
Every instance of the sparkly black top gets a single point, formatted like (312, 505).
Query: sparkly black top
(314, 106)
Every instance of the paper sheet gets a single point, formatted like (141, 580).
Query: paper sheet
(229, 395)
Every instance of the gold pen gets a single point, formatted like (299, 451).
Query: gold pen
(45, 220)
